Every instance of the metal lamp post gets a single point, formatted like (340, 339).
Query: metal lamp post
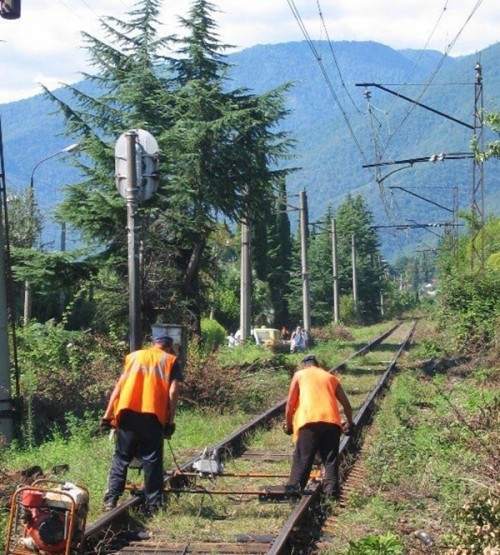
(70, 149)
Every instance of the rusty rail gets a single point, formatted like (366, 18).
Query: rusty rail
(227, 446)
(283, 542)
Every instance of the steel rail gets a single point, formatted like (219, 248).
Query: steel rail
(281, 544)
(226, 446)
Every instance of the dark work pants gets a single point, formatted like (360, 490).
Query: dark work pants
(138, 435)
(316, 437)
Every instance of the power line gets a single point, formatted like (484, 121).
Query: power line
(434, 73)
(443, 84)
(330, 44)
(89, 7)
(375, 134)
(319, 61)
(431, 34)
(427, 42)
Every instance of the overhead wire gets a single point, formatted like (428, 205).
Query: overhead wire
(375, 136)
(330, 44)
(429, 38)
(438, 67)
(420, 56)
(319, 60)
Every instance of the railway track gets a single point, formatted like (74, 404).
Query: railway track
(204, 513)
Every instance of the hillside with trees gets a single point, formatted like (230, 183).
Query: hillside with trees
(329, 165)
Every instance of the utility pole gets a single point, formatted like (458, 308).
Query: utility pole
(6, 413)
(70, 149)
(7, 406)
(306, 311)
(455, 221)
(27, 303)
(477, 200)
(134, 302)
(382, 275)
(63, 237)
(354, 273)
(245, 281)
(335, 273)
(27, 284)
(62, 248)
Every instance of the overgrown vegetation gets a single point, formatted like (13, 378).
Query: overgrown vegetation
(469, 299)
(432, 462)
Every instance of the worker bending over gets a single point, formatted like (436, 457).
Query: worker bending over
(142, 409)
(313, 416)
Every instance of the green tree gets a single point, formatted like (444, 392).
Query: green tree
(469, 301)
(25, 219)
(492, 148)
(279, 257)
(321, 277)
(294, 296)
(353, 216)
(218, 148)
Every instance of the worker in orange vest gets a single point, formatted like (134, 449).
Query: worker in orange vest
(313, 416)
(142, 409)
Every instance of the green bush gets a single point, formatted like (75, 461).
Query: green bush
(470, 309)
(213, 335)
(64, 372)
(347, 310)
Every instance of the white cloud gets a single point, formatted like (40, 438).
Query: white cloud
(45, 44)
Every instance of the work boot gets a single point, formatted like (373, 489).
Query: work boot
(149, 511)
(109, 504)
(293, 490)
(332, 492)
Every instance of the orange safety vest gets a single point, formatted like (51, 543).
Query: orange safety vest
(145, 384)
(317, 400)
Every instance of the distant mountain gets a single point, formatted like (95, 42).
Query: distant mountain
(329, 160)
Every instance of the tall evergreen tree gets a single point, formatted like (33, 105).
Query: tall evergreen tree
(353, 216)
(320, 264)
(279, 257)
(222, 144)
(217, 149)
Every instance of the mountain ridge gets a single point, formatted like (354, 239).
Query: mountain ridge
(330, 164)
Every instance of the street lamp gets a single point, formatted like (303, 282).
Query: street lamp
(70, 149)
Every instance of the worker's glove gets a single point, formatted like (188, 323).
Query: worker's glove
(105, 425)
(169, 430)
(287, 429)
(348, 429)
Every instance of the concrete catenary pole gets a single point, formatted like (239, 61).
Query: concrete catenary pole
(62, 248)
(306, 310)
(245, 281)
(335, 273)
(27, 285)
(134, 306)
(6, 413)
(354, 273)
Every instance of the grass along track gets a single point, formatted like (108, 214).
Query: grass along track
(88, 455)
(193, 520)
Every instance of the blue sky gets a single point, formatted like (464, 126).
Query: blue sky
(45, 44)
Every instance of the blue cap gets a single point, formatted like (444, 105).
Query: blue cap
(159, 333)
